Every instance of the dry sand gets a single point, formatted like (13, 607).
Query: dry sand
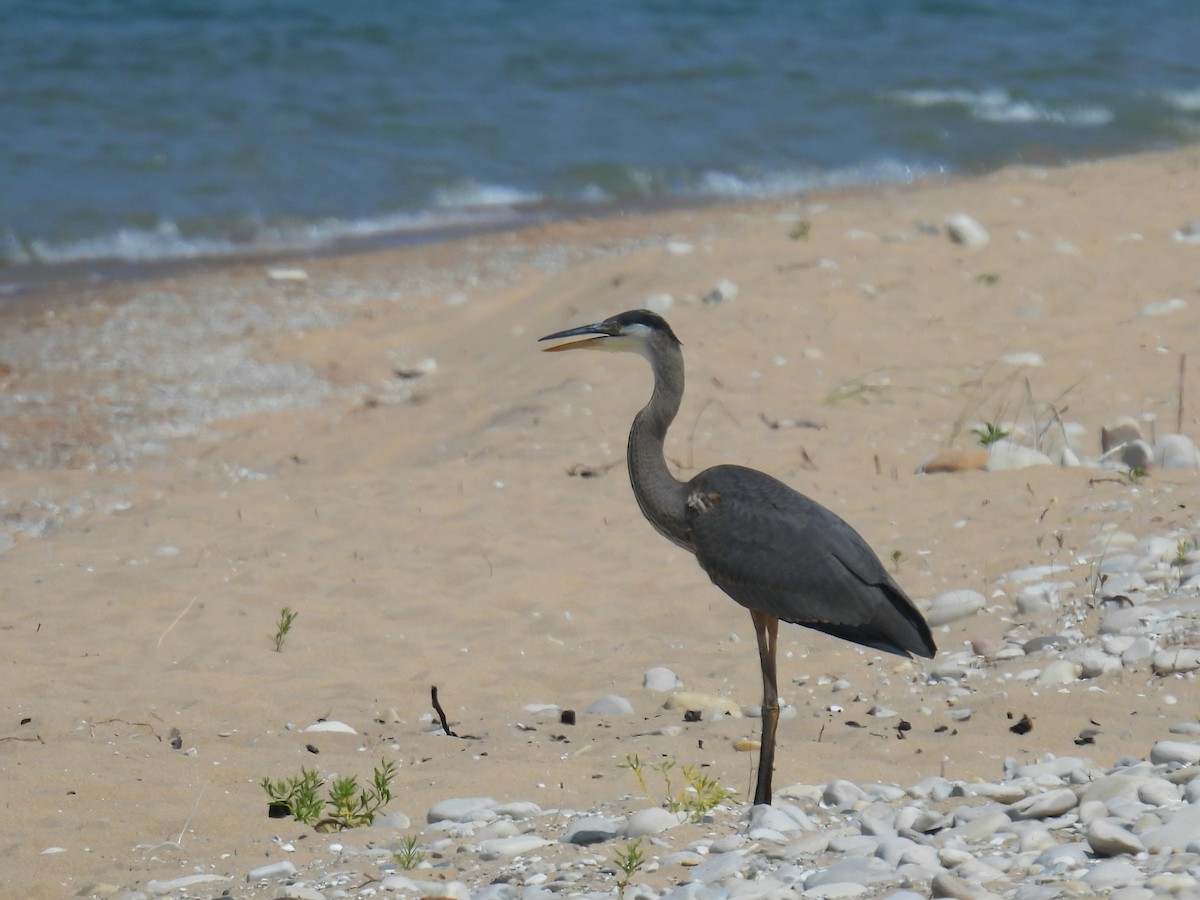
(428, 532)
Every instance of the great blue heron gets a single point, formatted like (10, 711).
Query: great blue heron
(770, 548)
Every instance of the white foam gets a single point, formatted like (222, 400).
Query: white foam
(1188, 101)
(472, 195)
(166, 241)
(996, 105)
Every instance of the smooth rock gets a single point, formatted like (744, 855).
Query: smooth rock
(331, 725)
(591, 830)
(662, 679)
(1005, 456)
(441, 890)
(282, 869)
(1060, 671)
(841, 794)
(954, 605)
(1176, 451)
(516, 845)
(1176, 659)
(458, 809)
(611, 705)
(653, 820)
(1114, 873)
(963, 229)
(1108, 838)
(719, 866)
(1181, 752)
(1036, 598)
(1181, 828)
(1043, 806)
(156, 888)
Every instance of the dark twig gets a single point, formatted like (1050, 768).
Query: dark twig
(441, 714)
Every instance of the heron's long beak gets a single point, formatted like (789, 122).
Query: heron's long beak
(592, 333)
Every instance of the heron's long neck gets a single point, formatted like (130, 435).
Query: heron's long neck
(659, 495)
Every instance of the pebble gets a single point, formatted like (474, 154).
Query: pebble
(611, 705)
(662, 679)
(954, 605)
(962, 229)
(284, 869)
(1109, 838)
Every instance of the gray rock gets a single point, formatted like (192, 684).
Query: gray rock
(954, 605)
(517, 845)
(842, 794)
(1108, 838)
(1176, 659)
(1113, 873)
(1043, 806)
(1181, 752)
(653, 820)
(1176, 451)
(718, 867)
(591, 830)
(1181, 828)
(156, 888)
(1006, 456)
(611, 705)
(458, 809)
(662, 679)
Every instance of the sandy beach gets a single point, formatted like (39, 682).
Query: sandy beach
(374, 441)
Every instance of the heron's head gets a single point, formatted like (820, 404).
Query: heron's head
(636, 331)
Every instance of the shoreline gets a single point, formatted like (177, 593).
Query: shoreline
(381, 447)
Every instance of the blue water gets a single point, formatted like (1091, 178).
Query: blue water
(141, 130)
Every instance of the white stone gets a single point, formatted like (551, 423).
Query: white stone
(1166, 752)
(283, 869)
(954, 605)
(156, 888)
(331, 725)
(965, 230)
(662, 679)
(1043, 806)
(458, 809)
(1177, 659)
(653, 820)
(591, 830)
(1040, 597)
(516, 845)
(1176, 451)
(1107, 838)
(1005, 456)
(611, 705)
(1060, 671)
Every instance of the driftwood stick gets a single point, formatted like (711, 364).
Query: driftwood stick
(441, 714)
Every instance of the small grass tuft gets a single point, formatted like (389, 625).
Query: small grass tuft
(346, 805)
(287, 616)
(408, 853)
(628, 860)
(698, 796)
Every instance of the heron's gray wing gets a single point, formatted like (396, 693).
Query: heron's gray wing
(775, 550)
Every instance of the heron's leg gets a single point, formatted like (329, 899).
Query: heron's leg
(766, 628)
